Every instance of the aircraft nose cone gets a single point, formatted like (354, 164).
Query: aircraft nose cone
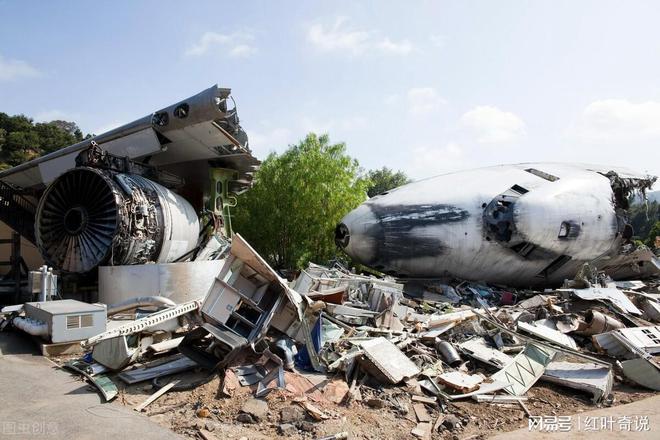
(342, 235)
(356, 234)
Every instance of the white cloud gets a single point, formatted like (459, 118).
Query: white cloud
(423, 100)
(428, 161)
(242, 51)
(492, 125)
(236, 44)
(619, 120)
(16, 69)
(403, 47)
(337, 37)
(340, 37)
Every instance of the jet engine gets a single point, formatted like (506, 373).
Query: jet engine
(93, 216)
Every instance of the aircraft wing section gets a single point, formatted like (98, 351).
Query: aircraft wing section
(202, 127)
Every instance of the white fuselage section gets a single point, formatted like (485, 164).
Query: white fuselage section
(525, 224)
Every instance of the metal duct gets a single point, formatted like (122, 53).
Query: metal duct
(89, 216)
(31, 326)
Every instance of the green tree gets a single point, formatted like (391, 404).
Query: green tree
(22, 140)
(642, 217)
(385, 179)
(298, 198)
(654, 232)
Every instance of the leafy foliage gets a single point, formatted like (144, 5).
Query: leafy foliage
(653, 233)
(298, 198)
(385, 179)
(22, 140)
(643, 217)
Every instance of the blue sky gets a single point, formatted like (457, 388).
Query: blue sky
(426, 86)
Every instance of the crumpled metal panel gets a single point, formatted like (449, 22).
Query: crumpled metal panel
(643, 371)
(593, 378)
(527, 367)
(548, 334)
(613, 295)
(478, 349)
(388, 360)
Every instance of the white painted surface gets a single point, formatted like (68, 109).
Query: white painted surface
(180, 282)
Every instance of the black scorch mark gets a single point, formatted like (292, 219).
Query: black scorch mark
(392, 231)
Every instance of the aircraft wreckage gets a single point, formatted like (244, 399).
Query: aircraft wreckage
(132, 195)
(519, 225)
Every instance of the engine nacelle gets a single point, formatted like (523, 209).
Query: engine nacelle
(89, 217)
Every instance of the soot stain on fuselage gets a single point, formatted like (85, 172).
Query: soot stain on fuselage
(391, 231)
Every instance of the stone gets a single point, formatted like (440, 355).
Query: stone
(257, 408)
(245, 418)
(287, 429)
(210, 426)
(376, 403)
(451, 422)
(306, 426)
(291, 414)
(203, 413)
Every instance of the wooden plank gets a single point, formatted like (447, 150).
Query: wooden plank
(438, 422)
(156, 395)
(423, 399)
(207, 435)
(460, 381)
(422, 430)
(421, 413)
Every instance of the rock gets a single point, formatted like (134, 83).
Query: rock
(287, 429)
(257, 408)
(245, 418)
(291, 414)
(376, 403)
(306, 426)
(210, 426)
(203, 413)
(451, 422)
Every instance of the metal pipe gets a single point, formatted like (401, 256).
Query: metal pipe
(599, 323)
(140, 301)
(44, 280)
(31, 326)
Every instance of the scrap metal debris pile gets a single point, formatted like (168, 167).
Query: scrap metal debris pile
(332, 341)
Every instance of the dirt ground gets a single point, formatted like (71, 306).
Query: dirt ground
(205, 408)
